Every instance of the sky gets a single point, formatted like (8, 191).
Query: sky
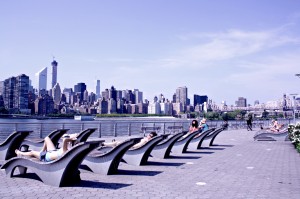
(224, 49)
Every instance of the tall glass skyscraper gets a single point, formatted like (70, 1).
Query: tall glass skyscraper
(98, 89)
(42, 79)
(54, 73)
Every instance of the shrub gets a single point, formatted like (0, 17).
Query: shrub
(294, 135)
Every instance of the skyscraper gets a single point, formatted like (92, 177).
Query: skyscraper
(181, 95)
(98, 89)
(42, 79)
(54, 73)
(79, 89)
(16, 94)
(56, 93)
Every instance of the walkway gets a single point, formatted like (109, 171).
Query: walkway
(237, 167)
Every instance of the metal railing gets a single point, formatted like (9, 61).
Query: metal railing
(114, 128)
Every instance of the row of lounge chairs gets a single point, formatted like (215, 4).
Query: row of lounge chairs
(92, 156)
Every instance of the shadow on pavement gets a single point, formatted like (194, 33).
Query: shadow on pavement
(93, 184)
(135, 172)
(164, 163)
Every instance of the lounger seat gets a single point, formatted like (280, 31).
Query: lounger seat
(140, 155)
(180, 146)
(10, 144)
(37, 144)
(163, 149)
(211, 137)
(61, 172)
(196, 142)
(268, 136)
(106, 160)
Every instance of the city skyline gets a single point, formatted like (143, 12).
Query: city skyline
(224, 50)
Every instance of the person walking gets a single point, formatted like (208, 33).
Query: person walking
(249, 122)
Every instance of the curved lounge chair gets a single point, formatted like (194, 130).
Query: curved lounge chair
(268, 136)
(60, 172)
(210, 137)
(196, 142)
(84, 135)
(12, 142)
(37, 144)
(180, 146)
(163, 149)
(214, 135)
(140, 155)
(107, 163)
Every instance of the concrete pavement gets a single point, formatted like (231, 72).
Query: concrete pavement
(236, 167)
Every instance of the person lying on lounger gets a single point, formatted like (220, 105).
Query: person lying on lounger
(49, 152)
(141, 143)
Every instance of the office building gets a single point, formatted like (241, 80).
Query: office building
(200, 99)
(138, 96)
(1, 87)
(54, 73)
(41, 80)
(242, 102)
(79, 89)
(56, 93)
(16, 94)
(98, 89)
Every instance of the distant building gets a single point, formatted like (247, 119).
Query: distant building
(56, 93)
(1, 87)
(98, 89)
(80, 88)
(16, 94)
(44, 105)
(241, 102)
(138, 96)
(54, 73)
(68, 92)
(41, 80)
(182, 96)
(200, 99)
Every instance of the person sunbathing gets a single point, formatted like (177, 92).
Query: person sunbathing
(138, 145)
(194, 127)
(49, 152)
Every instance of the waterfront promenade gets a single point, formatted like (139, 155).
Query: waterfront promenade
(236, 167)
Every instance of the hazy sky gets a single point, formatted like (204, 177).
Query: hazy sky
(221, 48)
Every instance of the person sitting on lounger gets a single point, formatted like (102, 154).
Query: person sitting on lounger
(194, 127)
(49, 152)
(138, 145)
(275, 126)
(203, 125)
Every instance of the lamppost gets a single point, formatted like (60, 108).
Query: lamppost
(294, 105)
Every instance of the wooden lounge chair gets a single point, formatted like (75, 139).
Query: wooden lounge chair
(106, 160)
(10, 144)
(271, 136)
(163, 149)
(180, 146)
(140, 155)
(60, 172)
(37, 144)
(196, 142)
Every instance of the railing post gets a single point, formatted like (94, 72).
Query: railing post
(164, 128)
(99, 130)
(82, 126)
(115, 129)
(63, 125)
(129, 129)
(16, 126)
(41, 130)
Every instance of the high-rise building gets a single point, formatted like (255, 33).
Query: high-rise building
(138, 96)
(80, 88)
(181, 96)
(200, 99)
(16, 94)
(98, 89)
(56, 93)
(54, 73)
(1, 87)
(68, 93)
(242, 102)
(42, 80)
